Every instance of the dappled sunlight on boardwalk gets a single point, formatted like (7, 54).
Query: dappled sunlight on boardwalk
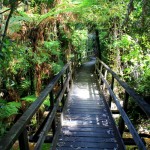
(86, 121)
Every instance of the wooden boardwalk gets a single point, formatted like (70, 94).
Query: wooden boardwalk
(87, 123)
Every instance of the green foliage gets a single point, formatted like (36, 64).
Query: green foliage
(65, 28)
(46, 146)
(56, 67)
(24, 86)
(7, 109)
(79, 40)
(15, 66)
(16, 22)
(136, 64)
(32, 98)
(144, 83)
(53, 47)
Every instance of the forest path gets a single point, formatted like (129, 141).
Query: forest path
(86, 120)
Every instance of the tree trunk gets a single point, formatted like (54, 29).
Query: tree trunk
(98, 43)
(38, 79)
(26, 8)
(12, 9)
(1, 20)
(117, 57)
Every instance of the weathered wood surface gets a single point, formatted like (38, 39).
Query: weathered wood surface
(86, 120)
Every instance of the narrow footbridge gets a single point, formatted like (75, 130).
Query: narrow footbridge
(79, 116)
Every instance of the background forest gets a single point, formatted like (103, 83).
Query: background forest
(37, 37)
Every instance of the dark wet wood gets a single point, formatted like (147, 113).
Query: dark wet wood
(86, 120)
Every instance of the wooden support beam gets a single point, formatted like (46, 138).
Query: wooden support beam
(112, 87)
(23, 140)
(125, 106)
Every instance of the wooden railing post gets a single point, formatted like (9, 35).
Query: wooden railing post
(62, 82)
(67, 75)
(52, 106)
(105, 77)
(71, 73)
(95, 71)
(125, 107)
(23, 140)
(112, 87)
(96, 67)
(62, 85)
(101, 69)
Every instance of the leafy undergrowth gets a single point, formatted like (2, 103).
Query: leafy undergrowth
(32, 98)
(8, 111)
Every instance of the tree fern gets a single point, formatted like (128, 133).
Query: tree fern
(32, 98)
(8, 109)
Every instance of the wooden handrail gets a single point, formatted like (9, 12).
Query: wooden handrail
(145, 107)
(19, 128)
(138, 99)
(51, 116)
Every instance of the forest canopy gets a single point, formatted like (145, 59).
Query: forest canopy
(37, 37)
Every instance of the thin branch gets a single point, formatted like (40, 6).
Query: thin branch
(9, 9)
(13, 6)
(4, 11)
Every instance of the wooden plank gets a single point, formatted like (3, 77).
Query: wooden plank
(90, 120)
(85, 104)
(84, 125)
(86, 117)
(89, 115)
(85, 122)
(102, 133)
(90, 101)
(87, 139)
(74, 145)
(85, 109)
(86, 112)
(80, 148)
(79, 129)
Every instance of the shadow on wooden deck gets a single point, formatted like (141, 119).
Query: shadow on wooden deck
(86, 122)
